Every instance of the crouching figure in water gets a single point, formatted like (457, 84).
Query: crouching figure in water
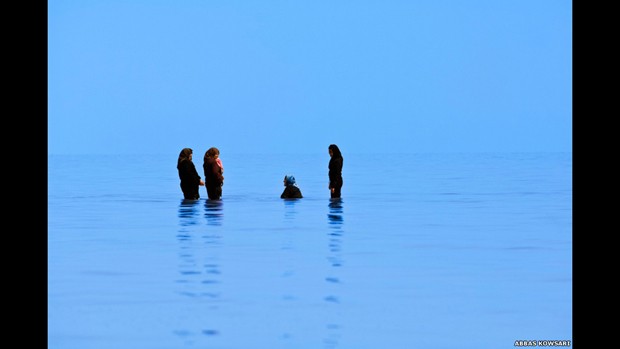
(292, 190)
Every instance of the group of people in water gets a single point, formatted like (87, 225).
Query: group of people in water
(213, 170)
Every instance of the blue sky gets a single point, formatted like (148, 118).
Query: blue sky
(155, 76)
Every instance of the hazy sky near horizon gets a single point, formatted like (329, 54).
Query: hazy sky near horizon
(155, 76)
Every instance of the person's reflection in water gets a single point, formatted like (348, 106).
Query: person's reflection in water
(287, 246)
(335, 234)
(212, 240)
(213, 212)
(289, 209)
(188, 212)
(198, 270)
(188, 217)
(211, 268)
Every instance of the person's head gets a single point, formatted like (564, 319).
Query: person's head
(289, 180)
(334, 151)
(212, 153)
(186, 154)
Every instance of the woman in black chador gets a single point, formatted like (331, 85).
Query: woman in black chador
(214, 180)
(292, 190)
(335, 171)
(190, 180)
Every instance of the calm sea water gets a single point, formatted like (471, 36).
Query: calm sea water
(422, 251)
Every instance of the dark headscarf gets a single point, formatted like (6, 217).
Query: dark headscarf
(184, 155)
(210, 153)
(335, 150)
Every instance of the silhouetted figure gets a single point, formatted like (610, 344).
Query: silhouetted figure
(292, 190)
(335, 170)
(214, 180)
(190, 180)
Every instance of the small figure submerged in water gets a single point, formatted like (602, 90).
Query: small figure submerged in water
(292, 190)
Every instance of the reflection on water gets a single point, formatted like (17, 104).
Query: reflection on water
(290, 210)
(468, 243)
(199, 268)
(335, 235)
(213, 212)
(188, 212)
(335, 221)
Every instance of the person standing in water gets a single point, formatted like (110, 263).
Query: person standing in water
(335, 171)
(190, 180)
(291, 191)
(214, 180)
